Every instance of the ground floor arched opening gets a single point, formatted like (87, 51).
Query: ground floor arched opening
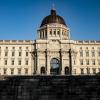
(54, 64)
(42, 70)
(66, 70)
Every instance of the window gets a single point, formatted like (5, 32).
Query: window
(19, 62)
(82, 70)
(88, 70)
(26, 48)
(12, 62)
(13, 48)
(13, 53)
(20, 48)
(26, 70)
(5, 71)
(6, 48)
(74, 62)
(94, 70)
(19, 71)
(81, 48)
(93, 53)
(20, 53)
(6, 53)
(26, 53)
(99, 53)
(42, 70)
(99, 62)
(5, 62)
(45, 33)
(58, 32)
(81, 62)
(12, 71)
(50, 32)
(93, 62)
(87, 48)
(81, 53)
(98, 69)
(63, 32)
(87, 53)
(87, 62)
(26, 63)
(54, 32)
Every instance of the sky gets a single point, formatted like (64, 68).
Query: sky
(20, 19)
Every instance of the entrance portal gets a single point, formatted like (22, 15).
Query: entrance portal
(54, 66)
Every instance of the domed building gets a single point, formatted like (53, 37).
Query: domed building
(52, 53)
(51, 49)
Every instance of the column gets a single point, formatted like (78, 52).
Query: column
(61, 33)
(46, 60)
(60, 68)
(38, 65)
(48, 64)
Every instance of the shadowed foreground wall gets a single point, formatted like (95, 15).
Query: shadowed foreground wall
(50, 88)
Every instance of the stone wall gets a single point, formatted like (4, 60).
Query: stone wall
(50, 88)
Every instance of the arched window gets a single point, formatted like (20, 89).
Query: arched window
(66, 70)
(42, 70)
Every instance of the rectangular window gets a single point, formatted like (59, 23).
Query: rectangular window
(93, 62)
(88, 70)
(87, 62)
(26, 70)
(13, 48)
(54, 32)
(12, 71)
(20, 48)
(81, 62)
(6, 53)
(26, 63)
(19, 62)
(99, 70)
(13, 53)
(12, 63)
(58, 32)
(6, 48)
(19, 71)
(5, 71)
(26, 53)
(94, 70)
(50, 32)
(87, 53)
(93, 54)
(81, 53)
(45, 33)
(82, 70)
(5, 62)
(98, 62)
(99, 53)
(20, 53)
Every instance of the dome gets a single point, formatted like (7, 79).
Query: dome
(53, 18)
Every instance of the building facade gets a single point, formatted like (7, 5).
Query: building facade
(53, 53)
